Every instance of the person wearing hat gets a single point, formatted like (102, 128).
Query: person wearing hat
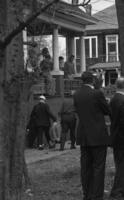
(92, 136)
(41, 116)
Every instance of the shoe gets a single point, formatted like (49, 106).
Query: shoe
(41, 147)
(52, 145)
(57, 141)
(73, 147)
(61, 149)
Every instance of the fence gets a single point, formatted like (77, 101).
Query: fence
(71, 85)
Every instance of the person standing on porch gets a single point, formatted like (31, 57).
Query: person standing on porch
(61, 63)
(46, 66)
(92, 136)
(69, 70)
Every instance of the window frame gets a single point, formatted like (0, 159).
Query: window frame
(116, 42)
(90, 46)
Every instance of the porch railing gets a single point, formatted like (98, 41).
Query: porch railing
(71, 85)
(103, 58)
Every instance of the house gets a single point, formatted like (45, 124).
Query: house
(102, 45)
(69, 21)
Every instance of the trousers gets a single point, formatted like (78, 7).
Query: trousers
(93, 171)
(68, 123)
(118, 186)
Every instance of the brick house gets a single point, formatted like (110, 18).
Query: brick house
(102, 45)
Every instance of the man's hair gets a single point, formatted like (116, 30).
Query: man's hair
(71, 57)
(47, 56)
(120, 83)
(87, 78)
(45, 51)
(61, 58)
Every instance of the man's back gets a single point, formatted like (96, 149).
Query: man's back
(67, 106)
(91, 107)
(42, 114)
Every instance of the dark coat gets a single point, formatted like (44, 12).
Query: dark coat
(117, 120)
(41, 115)
(91, 106)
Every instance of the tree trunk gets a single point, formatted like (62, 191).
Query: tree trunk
(120, 16)
(2, 114)
(13, 99)
(12, 106)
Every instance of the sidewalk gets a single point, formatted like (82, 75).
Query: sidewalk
(35, 155)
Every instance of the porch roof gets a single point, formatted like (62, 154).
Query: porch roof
(106, 66)
(66, 16)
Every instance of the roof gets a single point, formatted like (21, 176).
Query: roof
(66, 16)
(106, 65)
(73, 10)
(107, 19)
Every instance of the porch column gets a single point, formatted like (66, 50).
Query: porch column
(55, 50)
(67, 47)
(82, 55)
(73, 51)
(25, 47)
(118, 72)
(71, 48)
(56, 73)
(103, 78)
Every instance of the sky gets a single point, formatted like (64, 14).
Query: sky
(97, 5)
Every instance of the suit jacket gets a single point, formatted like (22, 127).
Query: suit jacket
(68, 69)
(67, 107)
(91, 106)
(117, 120)
(41, 115)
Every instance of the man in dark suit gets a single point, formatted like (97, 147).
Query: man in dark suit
(117, 138)
(40, 118)
(92, 136)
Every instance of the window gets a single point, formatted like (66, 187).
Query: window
(91, 47)
(112, 48)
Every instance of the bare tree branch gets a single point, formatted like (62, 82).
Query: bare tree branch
(22, 25)
(84, 3)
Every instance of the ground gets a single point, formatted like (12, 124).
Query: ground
(58, 178)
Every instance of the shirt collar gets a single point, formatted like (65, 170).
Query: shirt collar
(120, 92)
(91, 86)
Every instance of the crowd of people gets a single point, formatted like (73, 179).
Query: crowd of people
(42, 66)
(40, 124)
(46, 65)
(83, 116)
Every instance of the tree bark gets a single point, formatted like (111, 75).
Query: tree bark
(13, 103)
(120, 16)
